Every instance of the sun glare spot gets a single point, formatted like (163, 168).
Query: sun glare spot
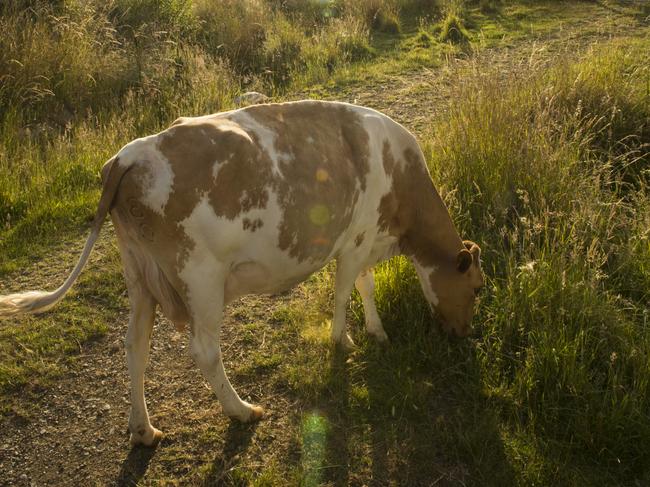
(322, 175)
(314, 436)
(319, 215)
(318, 332)
(320, 241)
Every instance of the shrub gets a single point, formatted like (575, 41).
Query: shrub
(386, 21)
(604, 96)
(422, 8)
(309, 13)
(352, 39)
(236, 30)
(54, 67)
(175, 17)
(379, 15)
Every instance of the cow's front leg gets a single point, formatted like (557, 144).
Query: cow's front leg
(346, 270)
(206, 297)
(365, 284)
(137, 357)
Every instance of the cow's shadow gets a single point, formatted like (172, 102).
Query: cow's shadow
(237, 440)
(378, 431)
(135, 465)
(363, 424)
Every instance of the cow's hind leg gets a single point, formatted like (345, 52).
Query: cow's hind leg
(347, 268)
(206, 297)
(365, 284)
(137, 355)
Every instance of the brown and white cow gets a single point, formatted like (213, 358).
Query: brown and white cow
(254, 201)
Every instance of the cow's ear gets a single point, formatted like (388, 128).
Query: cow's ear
(464, 260)
(475, 250)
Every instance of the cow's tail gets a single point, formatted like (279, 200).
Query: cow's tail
(40, 301)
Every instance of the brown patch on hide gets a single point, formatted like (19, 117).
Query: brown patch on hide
(414, 212)
(193, 149)
(323, 160)
(157, 245)
(252, 225)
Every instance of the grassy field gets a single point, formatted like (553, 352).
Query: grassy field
(545, 162)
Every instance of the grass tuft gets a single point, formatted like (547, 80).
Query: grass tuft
(452, 30)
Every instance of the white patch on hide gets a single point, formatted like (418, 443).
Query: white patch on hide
(158, 182)
(265, 135)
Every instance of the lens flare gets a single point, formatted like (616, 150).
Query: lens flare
(314, 437)
(322, 175)
(320, 241)
(319, 215)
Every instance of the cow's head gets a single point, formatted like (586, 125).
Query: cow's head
(451, 288)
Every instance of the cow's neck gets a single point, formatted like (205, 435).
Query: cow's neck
(432, 238)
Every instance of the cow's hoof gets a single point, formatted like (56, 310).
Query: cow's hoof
(257, 413)
(149, 438)
(379, 336)
(345, 344)
(253, 413)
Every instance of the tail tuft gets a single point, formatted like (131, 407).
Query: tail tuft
(29, 302)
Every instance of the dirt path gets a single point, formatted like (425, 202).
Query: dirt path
(415, 98)
(74, 433)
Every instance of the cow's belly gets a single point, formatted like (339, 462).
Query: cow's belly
(255, 261)
(253, 277)
(251, 262)
(260, 267)
(272, 270)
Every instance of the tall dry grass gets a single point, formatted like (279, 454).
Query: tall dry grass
(549, 170)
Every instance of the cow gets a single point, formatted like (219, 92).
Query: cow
(254, 201)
